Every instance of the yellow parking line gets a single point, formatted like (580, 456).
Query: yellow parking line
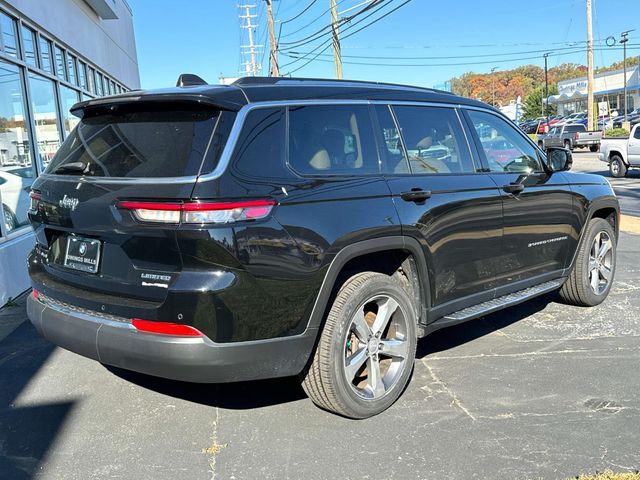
(630, 224)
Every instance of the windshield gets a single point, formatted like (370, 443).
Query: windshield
(136, 144)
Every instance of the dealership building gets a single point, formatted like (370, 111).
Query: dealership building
(608, 88)
(53, 53)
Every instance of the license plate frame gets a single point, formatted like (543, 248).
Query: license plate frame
(85, 254)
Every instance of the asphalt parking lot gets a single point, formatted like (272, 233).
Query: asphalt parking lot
(627, 189)
(541, 390)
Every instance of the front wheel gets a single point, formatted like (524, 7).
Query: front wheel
(595, 265)
(617, 168)
(366, 351)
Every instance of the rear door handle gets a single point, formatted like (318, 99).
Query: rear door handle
(513, 188)
(416, 195)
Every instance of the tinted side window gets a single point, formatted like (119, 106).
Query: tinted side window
(637, 134)
(434, 140)
(260, 148)
(393, 157)
(504, 148)
(332, 140)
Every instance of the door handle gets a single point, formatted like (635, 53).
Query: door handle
(513, 188)
(416, 195)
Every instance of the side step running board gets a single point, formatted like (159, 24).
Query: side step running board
(496, 304)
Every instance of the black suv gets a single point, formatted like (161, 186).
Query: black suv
(282, 227)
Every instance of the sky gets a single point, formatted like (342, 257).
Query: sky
(423, 42)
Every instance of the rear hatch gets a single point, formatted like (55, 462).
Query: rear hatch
(92, 247)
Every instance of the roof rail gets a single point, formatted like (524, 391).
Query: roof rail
(248, 81)
(190, 80)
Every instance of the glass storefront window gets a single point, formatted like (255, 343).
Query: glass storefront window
(8, 27)
(43, 101)
(60, 70)
(82, 75)
(16, 170)
(98, 82)
(68, 97)
(29, 42)
(45, 55)
(91, 82)
(107, 86)
(71, 69)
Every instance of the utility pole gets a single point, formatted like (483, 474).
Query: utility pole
(337, 56)
(589, 68)
(251, 66)
(493, 86)
(545, 102)
(273, 45)
(624, 41)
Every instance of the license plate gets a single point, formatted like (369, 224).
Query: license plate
(82, 254)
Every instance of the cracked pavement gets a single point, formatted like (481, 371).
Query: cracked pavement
(541, 390)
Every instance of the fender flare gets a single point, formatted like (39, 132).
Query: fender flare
(354, 250)
(595, 205)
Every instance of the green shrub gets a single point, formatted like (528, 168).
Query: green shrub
(616, 132)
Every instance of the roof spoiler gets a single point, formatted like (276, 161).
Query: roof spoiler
(190, 80)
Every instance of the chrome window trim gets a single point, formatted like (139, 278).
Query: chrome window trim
(234, 134)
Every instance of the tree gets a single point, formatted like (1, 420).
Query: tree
(532, 105)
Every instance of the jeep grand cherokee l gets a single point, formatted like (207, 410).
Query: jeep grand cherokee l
(281, 227)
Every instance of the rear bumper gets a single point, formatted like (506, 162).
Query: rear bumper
(194, 359)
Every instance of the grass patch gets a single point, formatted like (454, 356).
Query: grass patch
(609, 475)
(616, 132)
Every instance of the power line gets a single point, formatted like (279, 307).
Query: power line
(350, 26)
(381, 64)
(311, 22)
(321, 32)
(299, 14)
(487, 55)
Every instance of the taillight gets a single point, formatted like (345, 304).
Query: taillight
(199, 212)
(35, 198)
(166, 328)
(576, 136)
(35, 293)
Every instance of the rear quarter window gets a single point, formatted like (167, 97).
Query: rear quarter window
(137, 144)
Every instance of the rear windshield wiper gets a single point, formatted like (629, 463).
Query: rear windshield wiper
(73, 167)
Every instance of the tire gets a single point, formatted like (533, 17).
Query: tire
(592, 275)
(567, 145)
(593, 148)
(617, 168)
(350, 390)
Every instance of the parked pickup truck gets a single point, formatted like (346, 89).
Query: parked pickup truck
(621, 153)
(571, 136)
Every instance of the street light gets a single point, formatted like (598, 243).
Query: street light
(546, 88)
(624, 41)
(493, 85)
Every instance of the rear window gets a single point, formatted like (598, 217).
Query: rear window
(574, 128)
(137, 145)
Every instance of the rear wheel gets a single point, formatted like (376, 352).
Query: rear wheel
(595, 265)
(567, 145)
(367, 348)
(593, 148)
(617, 167)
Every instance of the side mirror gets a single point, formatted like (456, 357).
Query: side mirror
(559, 159)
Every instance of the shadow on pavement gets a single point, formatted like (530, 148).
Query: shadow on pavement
(233, 396)
(451, 337)
(26, 432)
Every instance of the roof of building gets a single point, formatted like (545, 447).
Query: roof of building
(268, 89)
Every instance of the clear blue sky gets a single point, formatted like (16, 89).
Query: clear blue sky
(203, 37)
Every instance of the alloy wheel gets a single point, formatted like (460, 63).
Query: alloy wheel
(376, 347)
(600, 263)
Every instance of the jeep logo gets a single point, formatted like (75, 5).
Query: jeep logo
(69, 202)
